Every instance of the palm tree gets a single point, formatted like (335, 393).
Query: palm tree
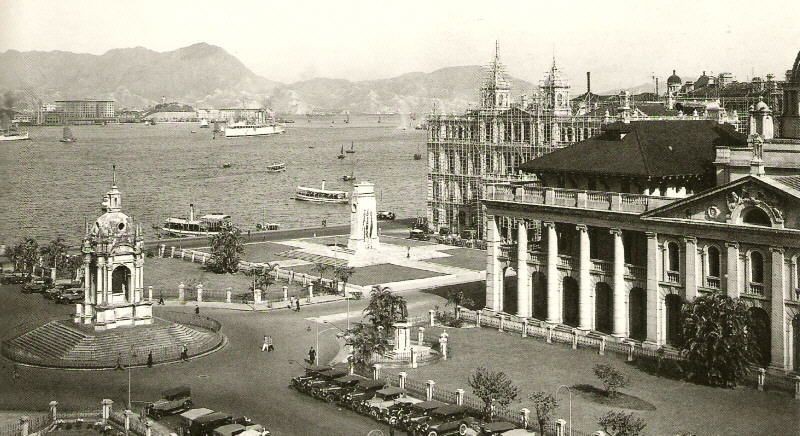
(227, 247)
(263, 278)
(385, 308)
(321, 268)
(366, 341)
(343, 274)
(456, 299)
(55, 253)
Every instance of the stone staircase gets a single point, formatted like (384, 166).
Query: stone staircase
(313, 258)
(52, 340)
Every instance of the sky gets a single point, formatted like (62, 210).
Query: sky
(623, 43)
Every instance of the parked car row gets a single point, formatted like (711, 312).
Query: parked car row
(200, 421)
(394, 406)
(63, 291)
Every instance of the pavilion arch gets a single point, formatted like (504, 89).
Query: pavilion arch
(637, 313)
(755, 214)
(674, 328)
(120, 280)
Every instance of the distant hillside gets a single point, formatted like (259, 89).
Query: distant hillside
(134, 77)
(453, 88)
(204, 76)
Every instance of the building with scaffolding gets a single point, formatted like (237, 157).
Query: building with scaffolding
(488, 144)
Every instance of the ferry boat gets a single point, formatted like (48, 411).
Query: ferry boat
(204, 124)
(206, 225)
(276, 168)
(243, 128)
(321, 195)
(14, 135)
(67, 136)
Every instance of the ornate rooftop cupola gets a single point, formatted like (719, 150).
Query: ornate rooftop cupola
(761, 120)
(496, 90)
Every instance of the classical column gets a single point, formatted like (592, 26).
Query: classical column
(584, 280)
(87, 285)
(652, 290)
(618, 279)
(690, 265)
(494, 291)
(778, 316)
(524, 291)
(732, 281)
(109, 284)
(100, 283)
(553, 277)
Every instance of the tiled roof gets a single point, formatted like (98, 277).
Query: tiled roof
(790, 181)
(643, 148)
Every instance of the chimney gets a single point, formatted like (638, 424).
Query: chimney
(588, 82)
(191, 212)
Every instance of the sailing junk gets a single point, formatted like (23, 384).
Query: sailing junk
(341, 153)
(352, 149)
(67, 135)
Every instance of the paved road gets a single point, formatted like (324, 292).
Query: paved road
(239, 379)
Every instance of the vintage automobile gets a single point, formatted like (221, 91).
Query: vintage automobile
(363, 391)
(312, 372)
(205, 425)
(498, 428)
(34, 286)
(344, 385)
(188, 417)
(172, 401)
(70, 296)
(447, 420)
(13, 278)
(419, 235)
(52, 293)
(378, 405)
(396, 411)
(324, 380)
(418, 413)
(386, 215)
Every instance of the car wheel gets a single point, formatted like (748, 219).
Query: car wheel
(392, 421)
(432, 433)
(462, 429)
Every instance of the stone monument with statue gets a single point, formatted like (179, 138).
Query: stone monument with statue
(363, 218)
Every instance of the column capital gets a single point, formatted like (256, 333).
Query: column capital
(690, 239)
(777, 250)
(615, 232)
(548, 224)
(582, 227)
(732, 244)
(651, 235)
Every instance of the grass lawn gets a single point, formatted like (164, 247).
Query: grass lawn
(679, 406)
(462, 258)
(265, 252)
(167, 274)
(375, 274)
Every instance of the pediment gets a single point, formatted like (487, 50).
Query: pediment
(751, 201)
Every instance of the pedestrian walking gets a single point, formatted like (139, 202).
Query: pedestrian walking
(270, 347)
(312, 355)
(297, 304)
(161, 300)
(265, 345)
(150, 359)
(197, 310)
(119, 361)
(184, 353)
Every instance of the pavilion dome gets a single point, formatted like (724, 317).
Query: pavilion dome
(111, 224)
(674, 79)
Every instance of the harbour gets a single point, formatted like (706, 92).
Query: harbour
(184, 168)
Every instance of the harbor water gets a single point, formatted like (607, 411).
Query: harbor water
(49, 188)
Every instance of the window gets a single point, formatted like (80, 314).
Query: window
(756, 217)
(674, 257)
(756, 267)
(713, 261)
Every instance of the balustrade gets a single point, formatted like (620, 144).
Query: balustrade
(567, 262)
(635, 272)
(755, 289)
(596, 200)
(673, 277)
(601, 266)
(713, 282)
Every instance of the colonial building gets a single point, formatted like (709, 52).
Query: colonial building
(113, 270)
(651, 214)
(85, 111)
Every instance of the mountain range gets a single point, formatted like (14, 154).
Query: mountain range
(205, 75)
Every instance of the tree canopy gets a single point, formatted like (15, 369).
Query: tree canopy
(492, 387)
(385, 308)
(544, 405)
(227, 247)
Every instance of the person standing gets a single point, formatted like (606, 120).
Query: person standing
(264, 346)
(150, 359)
(197, 310)
(312, 356)
(297, 304)
(184, 353)
(270, 347)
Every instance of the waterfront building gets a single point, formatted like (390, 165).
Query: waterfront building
(490, 143)
(85, 111)
(113, 270)
(623, 228)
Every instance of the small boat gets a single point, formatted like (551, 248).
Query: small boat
(204, 124)
(206, 225)
(321, 195)
(341, 153)
(352, 150)
(417, 156)
(352, 176)
(226, 165)
(267, 226)
(276, 168)
(67, 136)
(14, 135)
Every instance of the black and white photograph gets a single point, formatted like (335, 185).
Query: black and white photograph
(413, 218)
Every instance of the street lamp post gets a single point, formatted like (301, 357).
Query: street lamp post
(570, 404)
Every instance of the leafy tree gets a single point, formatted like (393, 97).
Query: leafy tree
(621, 424)
(55, 253)
(343, 274)
(612, 378)
(492, 386)
(322, 268)
(366, 340)
(544, 405)
(15, 255)
(719, 339)
(28, 254)
(227, 247)
(385, 308)
(457, 298)
(73, 264)
(263, 277)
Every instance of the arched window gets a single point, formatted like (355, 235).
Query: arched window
(673, 262)
(757, 217)
(756, 267)
(713, 261)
